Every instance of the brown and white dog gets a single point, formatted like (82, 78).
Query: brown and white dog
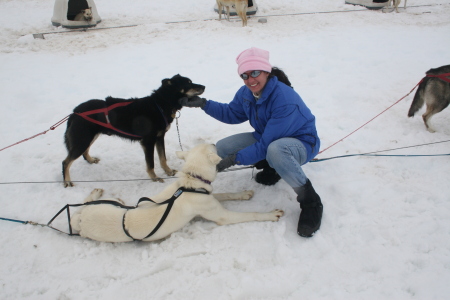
(434, 91)
(115, 223)
(84, 15)
(396, 3)
(239, 5)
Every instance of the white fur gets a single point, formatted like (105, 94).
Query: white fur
(396, 3)
(84, 15)
(239, 5)
(103, 222)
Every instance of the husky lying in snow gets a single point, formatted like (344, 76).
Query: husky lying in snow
(118, 223)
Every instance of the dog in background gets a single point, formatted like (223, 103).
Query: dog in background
(396, 3)
(84, 15)
(239, 5)
(114, 223)
(433, 91)
(138, 119)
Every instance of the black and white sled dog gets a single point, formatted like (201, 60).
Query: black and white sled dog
(138, 119)
(156, 218)
(434, 90)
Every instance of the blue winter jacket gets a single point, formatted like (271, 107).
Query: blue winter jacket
(278, 113)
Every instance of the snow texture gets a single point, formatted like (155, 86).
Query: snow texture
(386, 227)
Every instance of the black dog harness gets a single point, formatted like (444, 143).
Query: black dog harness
(169, 203)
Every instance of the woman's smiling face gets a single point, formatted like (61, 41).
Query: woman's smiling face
(257, 84)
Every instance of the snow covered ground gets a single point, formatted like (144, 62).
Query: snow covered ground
(386, 228)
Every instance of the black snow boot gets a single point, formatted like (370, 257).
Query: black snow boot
(312, 209)
(268, 176)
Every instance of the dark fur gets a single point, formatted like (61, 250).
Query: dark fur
(433, 91)
(142, 117)
(282, 77)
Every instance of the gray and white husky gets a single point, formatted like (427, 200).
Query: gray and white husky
(434, 90)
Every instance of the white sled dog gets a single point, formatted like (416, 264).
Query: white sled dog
(434, 90)
(84, 15)
(156, 218)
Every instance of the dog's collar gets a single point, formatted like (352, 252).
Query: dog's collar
(200, 178)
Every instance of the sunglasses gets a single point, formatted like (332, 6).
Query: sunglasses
(253, 74)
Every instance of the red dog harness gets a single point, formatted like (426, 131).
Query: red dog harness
(441, 76)
(105, 111)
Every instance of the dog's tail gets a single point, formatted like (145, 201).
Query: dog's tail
(419, 98)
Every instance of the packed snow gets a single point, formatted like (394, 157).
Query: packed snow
(386, 228)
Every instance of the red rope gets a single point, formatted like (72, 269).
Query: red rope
(44, 132)
(371, 119)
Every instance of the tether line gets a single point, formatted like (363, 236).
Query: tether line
(382, 155)
(389, 155)
(250, 167)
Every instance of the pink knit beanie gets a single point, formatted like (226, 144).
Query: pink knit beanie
(253, 59)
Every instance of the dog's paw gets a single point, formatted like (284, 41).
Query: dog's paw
(171, 172)
(156, 179)
(68, 184)
(94, 160)
(246, 195)
(277, 213)
(96, 193)
(90, 159)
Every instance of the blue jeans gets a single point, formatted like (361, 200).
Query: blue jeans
(285, 155)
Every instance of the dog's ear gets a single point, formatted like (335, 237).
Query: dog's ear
(181, 154)
(214, 158)
(166, 81)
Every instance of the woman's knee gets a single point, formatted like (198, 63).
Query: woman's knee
(232, 144)
(286, 148)
(274, 153)
(222, 148)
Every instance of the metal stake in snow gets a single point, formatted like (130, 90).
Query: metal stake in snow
(41, 35)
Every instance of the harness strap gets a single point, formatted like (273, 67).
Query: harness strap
(441, 76)
(67, 207)
(170, 203)
(161, 221)
(105, 111)
(163, 218)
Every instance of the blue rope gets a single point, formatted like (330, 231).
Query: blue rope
(32, 223)
(12, 220)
